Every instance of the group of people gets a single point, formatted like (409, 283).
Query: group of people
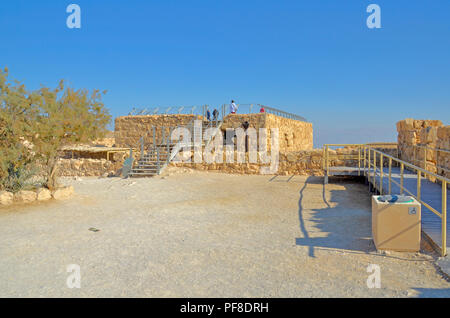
(233, 110)
(215, 115)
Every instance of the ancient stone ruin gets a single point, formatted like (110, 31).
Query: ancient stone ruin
(424, 143)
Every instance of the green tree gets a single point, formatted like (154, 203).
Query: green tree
(16, 127)
(34, 126)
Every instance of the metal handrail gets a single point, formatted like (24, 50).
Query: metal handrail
(283, 113)
(444, 181)
(424, 159)
(195, 110)
(410, 165)
(369, 159)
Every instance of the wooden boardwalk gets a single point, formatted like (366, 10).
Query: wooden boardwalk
(431, 193)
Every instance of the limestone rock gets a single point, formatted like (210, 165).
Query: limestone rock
(63, 193)
(44, 194)
(6, 198)
(25, 196)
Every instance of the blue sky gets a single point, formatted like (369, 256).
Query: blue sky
(316, 58)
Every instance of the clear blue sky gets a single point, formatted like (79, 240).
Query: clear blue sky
(314, 58)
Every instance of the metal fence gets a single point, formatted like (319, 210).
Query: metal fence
(223, 110)
(194, 110)
(259, 108)
(371, 163)
(423, 153)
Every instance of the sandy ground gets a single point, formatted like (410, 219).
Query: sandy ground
(205, 235)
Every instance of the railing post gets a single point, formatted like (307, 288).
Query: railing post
(326, 164)
(390, 175)
(157, 159)
(425, 158)
(167, 145)
(365, 161)
(368, 169)
(419, 184)
(402, 167)
(381, 174)
(359, 160)
(163, 135)
(444, 217)
(374, 169)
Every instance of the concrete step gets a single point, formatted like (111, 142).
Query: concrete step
(142, 174)
(140, 170)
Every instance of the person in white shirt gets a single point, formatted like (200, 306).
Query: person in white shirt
(233, 107)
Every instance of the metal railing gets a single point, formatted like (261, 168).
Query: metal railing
(223, 111)
(421, 149)
(161, 140)
(374, 161)
(256, 108)
(328, 157)
(171, 110)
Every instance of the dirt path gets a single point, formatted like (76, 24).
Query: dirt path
(205, 235)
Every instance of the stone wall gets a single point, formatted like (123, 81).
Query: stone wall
(414, 135)
(129, 129)
(87, 167)
(443, 142)
(90, 167)
(293, 135)
(303, 162)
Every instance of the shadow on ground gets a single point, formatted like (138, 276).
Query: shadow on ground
(348, 224)
(432, 292)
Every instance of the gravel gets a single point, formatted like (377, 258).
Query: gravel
(199, 234)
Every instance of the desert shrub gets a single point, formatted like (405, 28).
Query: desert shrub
(34, 125)
(22, 178)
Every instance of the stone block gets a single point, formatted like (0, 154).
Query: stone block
(63, 193)
(6, 198)
(43, 194)
(25, 196)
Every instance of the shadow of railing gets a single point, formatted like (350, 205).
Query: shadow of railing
(346, 221)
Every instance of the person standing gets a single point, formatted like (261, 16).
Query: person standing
(208, 115)
(215, 114)
(233, 107)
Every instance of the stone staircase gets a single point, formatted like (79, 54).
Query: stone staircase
(158, 157)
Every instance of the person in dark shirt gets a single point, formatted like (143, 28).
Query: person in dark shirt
(215, 114)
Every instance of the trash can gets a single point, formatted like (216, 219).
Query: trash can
(396, 223)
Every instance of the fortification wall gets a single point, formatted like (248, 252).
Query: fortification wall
(414, 135)
(302, 162)
(129, 129)
(305, 162)
(293, 135)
